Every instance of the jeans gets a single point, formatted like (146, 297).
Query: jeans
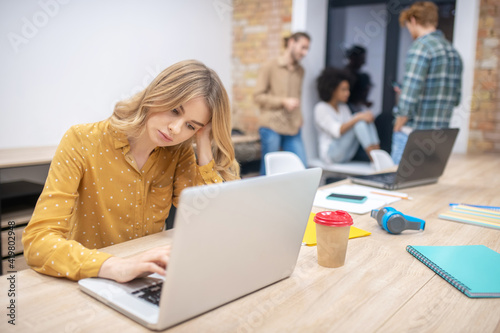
(343, 149)
(399, 140)
(272, 141)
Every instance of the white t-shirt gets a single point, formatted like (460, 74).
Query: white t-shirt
(328, 122)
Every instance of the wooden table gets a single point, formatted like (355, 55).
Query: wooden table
(381, 288)
(18, 157)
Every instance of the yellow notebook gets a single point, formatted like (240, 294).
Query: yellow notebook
(310, 234)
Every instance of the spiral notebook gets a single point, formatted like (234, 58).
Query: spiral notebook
(472, 269)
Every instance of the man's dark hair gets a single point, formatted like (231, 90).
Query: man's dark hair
(329, 80)
(296, 36)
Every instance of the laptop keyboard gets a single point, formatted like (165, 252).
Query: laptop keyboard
(387, 178)
(150, 293)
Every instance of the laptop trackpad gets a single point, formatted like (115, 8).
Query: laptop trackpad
(120, 297)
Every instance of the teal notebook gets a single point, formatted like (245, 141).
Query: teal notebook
(472, 269)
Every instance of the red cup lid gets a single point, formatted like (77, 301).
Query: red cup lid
(337, 218)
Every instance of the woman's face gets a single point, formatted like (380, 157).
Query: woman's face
(341, 94)
(170, 128)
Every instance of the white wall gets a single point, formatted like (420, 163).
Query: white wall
(311, 16)
(464, 40)
(65, 62)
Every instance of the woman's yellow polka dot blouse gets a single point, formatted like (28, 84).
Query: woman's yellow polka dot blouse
(95, 196)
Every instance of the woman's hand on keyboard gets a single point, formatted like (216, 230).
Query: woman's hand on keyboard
(140, 265)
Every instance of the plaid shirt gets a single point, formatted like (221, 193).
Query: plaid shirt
(432, 83)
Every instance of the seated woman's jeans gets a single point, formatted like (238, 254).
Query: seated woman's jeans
(343, 149)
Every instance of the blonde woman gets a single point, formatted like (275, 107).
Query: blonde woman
(116, 180)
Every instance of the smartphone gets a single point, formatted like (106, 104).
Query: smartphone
(347, 198)
(396, 84)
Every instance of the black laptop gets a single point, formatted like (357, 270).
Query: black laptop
(424, 159)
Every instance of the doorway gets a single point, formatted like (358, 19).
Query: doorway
(374, 25)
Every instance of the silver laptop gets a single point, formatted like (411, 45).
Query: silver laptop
(424, 159)
(228, 240)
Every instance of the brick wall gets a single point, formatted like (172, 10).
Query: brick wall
(258, 31)
(485, 107)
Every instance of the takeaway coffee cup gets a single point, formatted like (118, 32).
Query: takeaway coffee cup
(332, 233)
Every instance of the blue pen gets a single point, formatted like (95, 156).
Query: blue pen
(477, 206)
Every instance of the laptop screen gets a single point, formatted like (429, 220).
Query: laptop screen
(426, 154)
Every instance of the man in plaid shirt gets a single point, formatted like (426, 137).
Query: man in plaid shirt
(432, 82)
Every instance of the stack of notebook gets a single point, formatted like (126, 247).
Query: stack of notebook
(486, 217)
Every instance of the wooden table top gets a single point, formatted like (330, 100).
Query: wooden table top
(381, 288)
(17, 157)
(25, 156)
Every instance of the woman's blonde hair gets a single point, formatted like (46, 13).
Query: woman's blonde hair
(173, 87)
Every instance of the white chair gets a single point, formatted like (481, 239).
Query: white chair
(282, 162)
(381, 160)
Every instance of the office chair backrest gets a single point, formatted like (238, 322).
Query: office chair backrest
(282, 162)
